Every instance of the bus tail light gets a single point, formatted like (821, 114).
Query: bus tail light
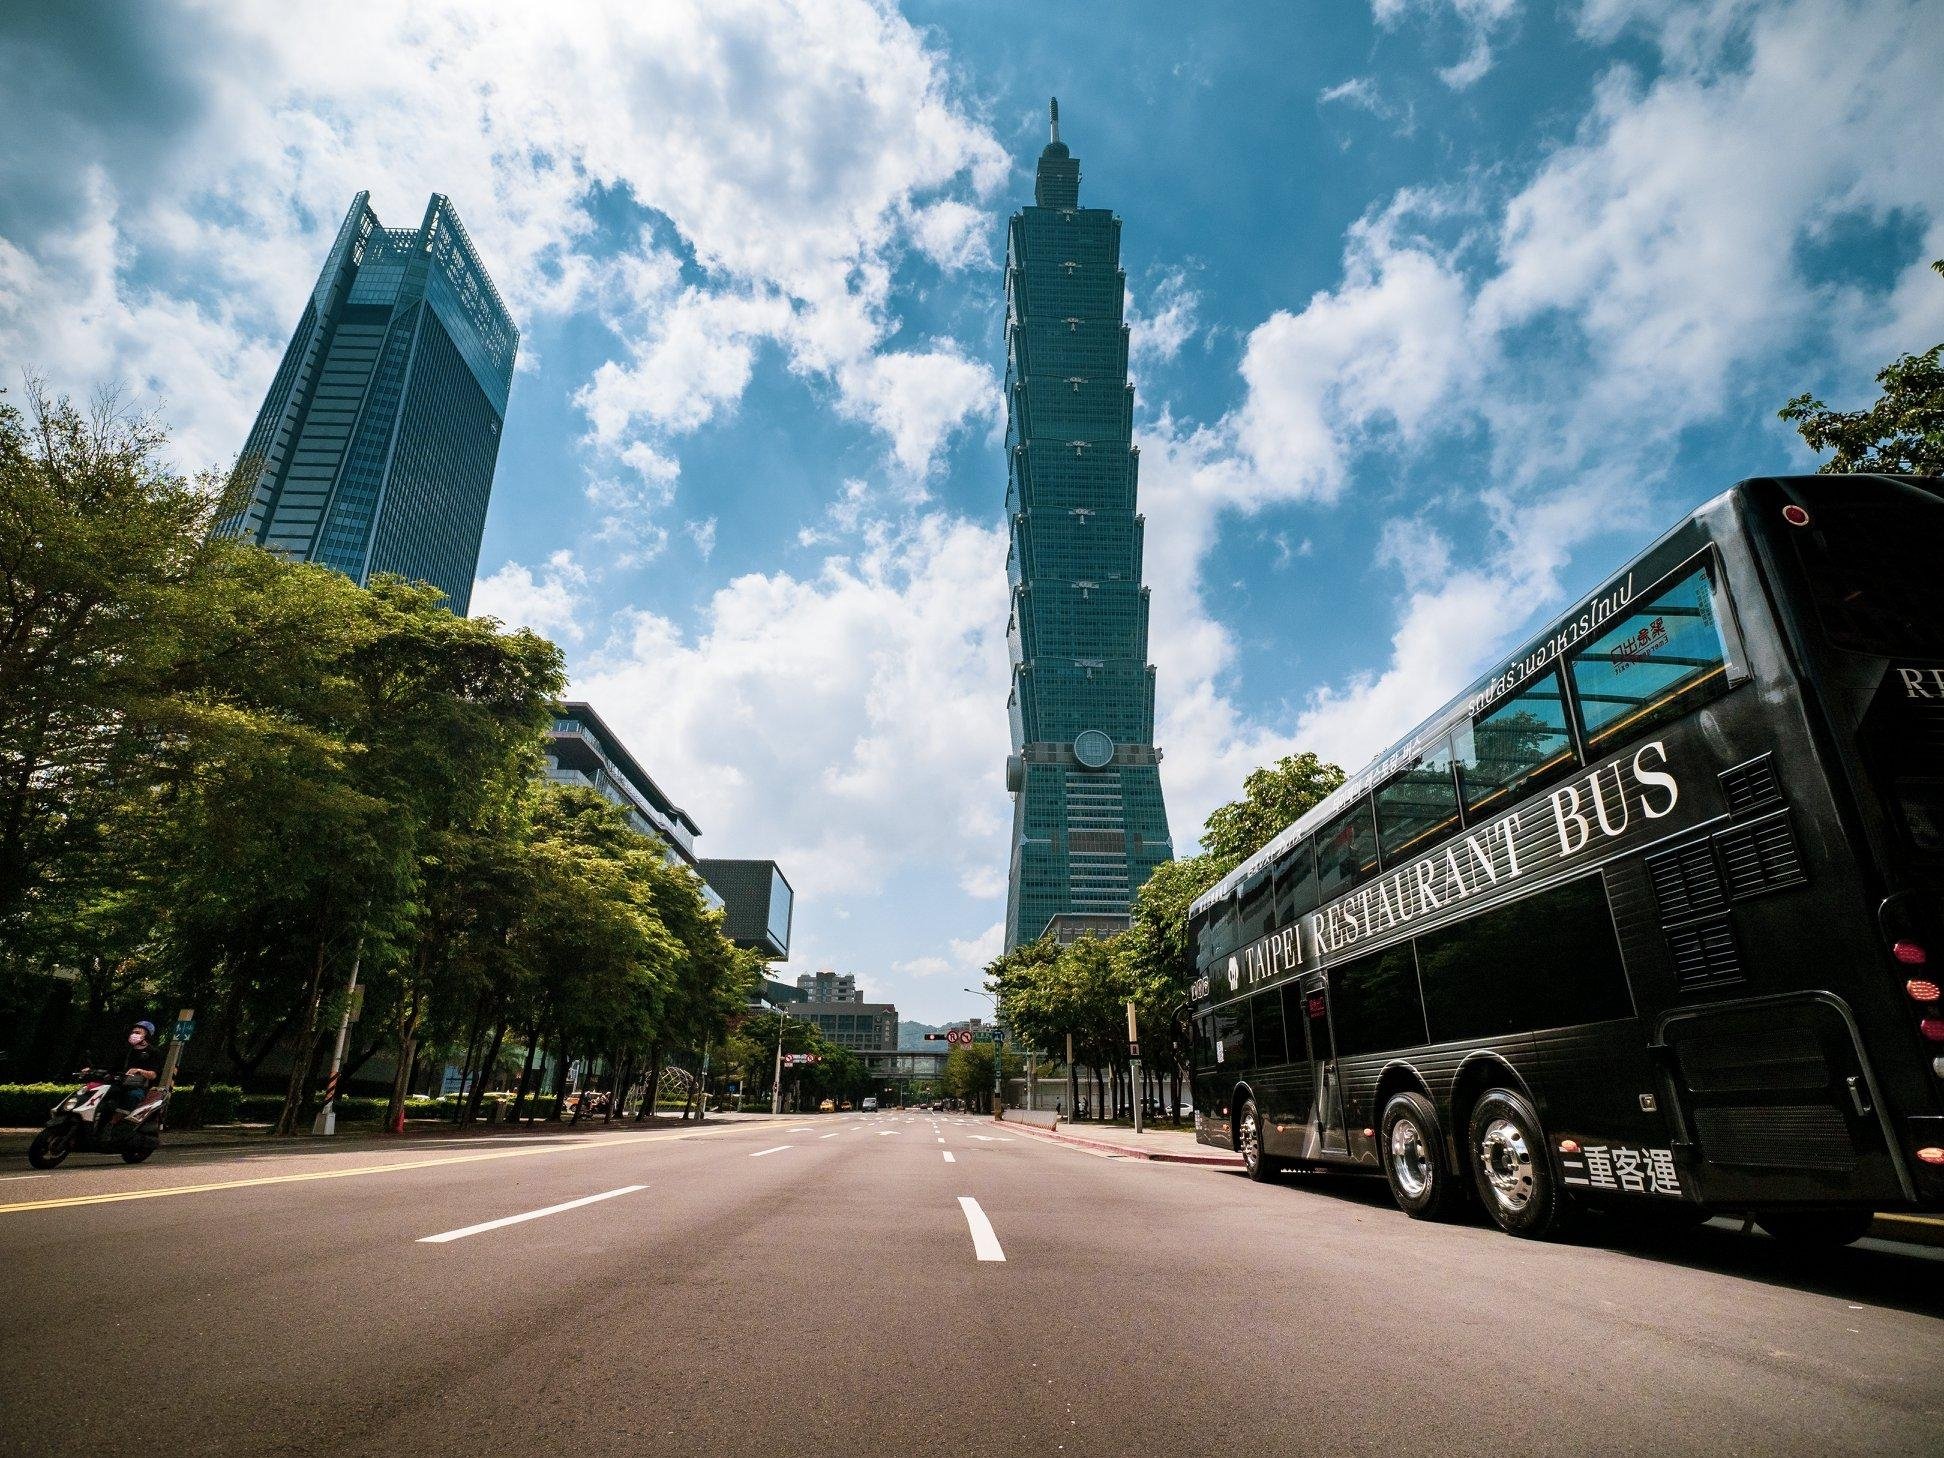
(1795, 515)
(1569, 1146)
(1910, 954)
(1931, 1154)
(1932, 1028)
(1922, 989)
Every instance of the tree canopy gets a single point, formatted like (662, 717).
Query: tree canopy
(228, 779)
(1901, 434)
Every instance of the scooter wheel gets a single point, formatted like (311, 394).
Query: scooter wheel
(136, 1156)
(49, 1148)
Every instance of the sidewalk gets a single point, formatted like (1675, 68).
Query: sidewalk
(1164, 1144)
(14, 1142)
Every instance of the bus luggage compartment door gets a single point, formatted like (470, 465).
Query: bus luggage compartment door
(1778, 1103)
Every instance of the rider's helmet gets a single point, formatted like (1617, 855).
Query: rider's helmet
(147, 1027)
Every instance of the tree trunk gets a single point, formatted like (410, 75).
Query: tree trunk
(300, 1060)
(654, 1081)
(526, 1072)
(485, 1067)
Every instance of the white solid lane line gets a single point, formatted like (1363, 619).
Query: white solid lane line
(948, 1156)
(487, 1225)
(777, 1149)
(984, 1243)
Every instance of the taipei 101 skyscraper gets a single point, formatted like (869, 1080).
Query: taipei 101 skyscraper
(1089, 825)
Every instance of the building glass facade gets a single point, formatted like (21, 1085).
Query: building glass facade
(1089, 825)
(375, 448)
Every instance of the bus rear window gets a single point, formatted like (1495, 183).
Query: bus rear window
(1871, 567)
(1652, 663)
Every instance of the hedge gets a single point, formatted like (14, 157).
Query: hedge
(26, 1105)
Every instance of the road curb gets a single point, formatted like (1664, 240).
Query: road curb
(1153, 1156)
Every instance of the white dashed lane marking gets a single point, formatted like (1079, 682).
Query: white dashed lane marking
(985, 1244)
(487, 1225)
(948, 1156)
(778, 1149)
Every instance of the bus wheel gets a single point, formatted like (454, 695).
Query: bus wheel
(1816, 1227)
(1511, 1168)
(1248, 1141)
(1410, 1143)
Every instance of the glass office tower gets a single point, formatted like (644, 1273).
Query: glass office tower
(1088, 822)
(374, 451)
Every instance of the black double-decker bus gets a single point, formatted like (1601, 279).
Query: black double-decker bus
(1649, 917)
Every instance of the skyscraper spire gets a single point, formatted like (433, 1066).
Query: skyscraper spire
(1053, 109)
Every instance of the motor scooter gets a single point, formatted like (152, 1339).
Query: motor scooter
(92, 1120)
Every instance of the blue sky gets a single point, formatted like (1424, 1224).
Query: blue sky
(1441, 307)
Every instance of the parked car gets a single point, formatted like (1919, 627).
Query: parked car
(828, 1106)
(870, 1106)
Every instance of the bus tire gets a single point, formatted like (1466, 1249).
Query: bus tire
(1512, 1167)
(1816, 1227)
(1258, 1165)
(1409, 1143)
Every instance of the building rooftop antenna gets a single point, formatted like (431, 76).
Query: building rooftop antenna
(1053, 111)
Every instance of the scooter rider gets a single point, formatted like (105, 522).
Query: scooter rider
(142, 1062)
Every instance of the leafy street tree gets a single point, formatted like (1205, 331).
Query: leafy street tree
(1901, 434)
(1048, 992)
(1272, 798)
(228, 779)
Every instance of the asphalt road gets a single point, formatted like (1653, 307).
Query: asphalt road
(886, 1284)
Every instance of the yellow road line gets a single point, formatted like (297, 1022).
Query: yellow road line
(66, 1202)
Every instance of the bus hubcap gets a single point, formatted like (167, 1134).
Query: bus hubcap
(1507, 1163)
(1410, 1161)
(1251, 1147)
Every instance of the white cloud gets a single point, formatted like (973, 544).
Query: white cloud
(1159, 326)
(553, 602)
(1478, 20)
(703, 534)
(1643, 280)
(791, 148)
(964, 957)
(837, 722)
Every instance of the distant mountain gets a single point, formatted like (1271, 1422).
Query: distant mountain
(911, 1036)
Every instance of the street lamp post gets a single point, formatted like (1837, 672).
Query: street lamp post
(776, 1088)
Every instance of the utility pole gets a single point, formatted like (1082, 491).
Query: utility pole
(702, 1103)
(776, 1089)
(1134, 1065)
(326, 1120)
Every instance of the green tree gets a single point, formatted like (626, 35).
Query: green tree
(99, 544)
(1272, 798)
(1901, 434)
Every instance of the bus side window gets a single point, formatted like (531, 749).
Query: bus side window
(1266, 1016)
(1346, 851)
(1296, 882)
(1518, 743)
(1655, 661)
(1548, 961)
(1374, 1003)
(1255, 907)
(1232, 1037)
(1417, 806)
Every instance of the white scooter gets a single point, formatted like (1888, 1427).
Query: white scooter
(91, 1121)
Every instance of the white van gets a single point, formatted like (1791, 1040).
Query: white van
(869, 1106)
